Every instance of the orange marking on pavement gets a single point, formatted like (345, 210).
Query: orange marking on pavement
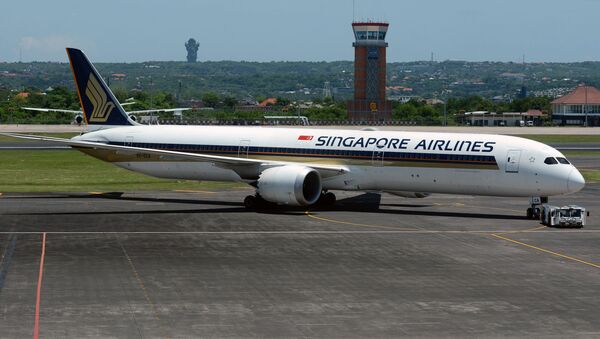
(36, 326)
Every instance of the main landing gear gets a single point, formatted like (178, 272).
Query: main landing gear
(327, 199)
(535, 211)
(252, 202)
(255, 201)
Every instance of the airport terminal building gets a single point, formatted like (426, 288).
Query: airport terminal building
(578, 106)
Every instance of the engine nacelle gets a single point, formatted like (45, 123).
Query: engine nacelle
(415, 195)
(290, 185)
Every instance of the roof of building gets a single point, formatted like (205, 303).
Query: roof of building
(579, 96)
(370, 23)
(268, 101)
(534, 113)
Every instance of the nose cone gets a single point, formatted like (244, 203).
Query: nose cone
(575, 182)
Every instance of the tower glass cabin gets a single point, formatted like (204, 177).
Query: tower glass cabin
(369, 103)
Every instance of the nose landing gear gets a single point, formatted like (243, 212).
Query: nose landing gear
(535, 211)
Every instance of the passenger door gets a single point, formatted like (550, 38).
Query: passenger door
(129, 141)
(243, 148)
(512, 161)
(377, 158)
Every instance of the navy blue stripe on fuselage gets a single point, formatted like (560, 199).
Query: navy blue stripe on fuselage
(226, 150)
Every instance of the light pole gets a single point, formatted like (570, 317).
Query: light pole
(445, 114)
(585, 107)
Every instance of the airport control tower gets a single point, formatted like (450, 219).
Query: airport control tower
(369, 102)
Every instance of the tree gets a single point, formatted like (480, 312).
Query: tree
(210, 99)
(192, 50)
(405, 112)
(283, 101)
(229, 101)
(121, 93)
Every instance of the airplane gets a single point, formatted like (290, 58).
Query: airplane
(132, 114)
(300, 166)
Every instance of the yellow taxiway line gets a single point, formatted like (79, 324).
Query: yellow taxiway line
(420, 230)
(495, 234)
(546, 251)
(310, 215)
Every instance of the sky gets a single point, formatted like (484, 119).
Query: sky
(299, 30)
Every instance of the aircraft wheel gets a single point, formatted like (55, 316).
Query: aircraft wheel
(326, 200)
(536, 213)
(530, 213)
(329, 199)
(250, 202)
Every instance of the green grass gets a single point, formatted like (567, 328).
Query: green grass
(72, 171)
(55, 135)
(591, 176)
(549, 138)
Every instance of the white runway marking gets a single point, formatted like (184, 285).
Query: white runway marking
(306, 232)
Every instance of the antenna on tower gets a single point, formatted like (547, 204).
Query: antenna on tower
(20, 54)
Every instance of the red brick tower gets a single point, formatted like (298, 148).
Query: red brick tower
(369, 102)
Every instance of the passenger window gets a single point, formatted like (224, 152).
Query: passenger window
(563, 161)
(550, 161)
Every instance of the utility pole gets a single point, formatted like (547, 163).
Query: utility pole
(585, 107)
(445, 114)
(151, 103)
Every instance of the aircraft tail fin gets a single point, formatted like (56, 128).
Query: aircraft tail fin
(100, 107)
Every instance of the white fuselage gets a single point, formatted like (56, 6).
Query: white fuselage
(478, 164)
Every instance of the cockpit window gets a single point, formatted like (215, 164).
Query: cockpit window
(550, 161)
(563, 161)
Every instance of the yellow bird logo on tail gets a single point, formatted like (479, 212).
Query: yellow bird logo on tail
(97, 96)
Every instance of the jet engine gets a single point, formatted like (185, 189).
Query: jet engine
(290, 185)
(78, 119)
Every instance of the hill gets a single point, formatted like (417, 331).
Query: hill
(305, 80)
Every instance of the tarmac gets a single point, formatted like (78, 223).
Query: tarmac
(197, 264)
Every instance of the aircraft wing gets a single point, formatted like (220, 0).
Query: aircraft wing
(223, 161)
(158, 110)
(51, 110)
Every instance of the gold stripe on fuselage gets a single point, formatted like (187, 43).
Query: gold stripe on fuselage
(125, 156)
